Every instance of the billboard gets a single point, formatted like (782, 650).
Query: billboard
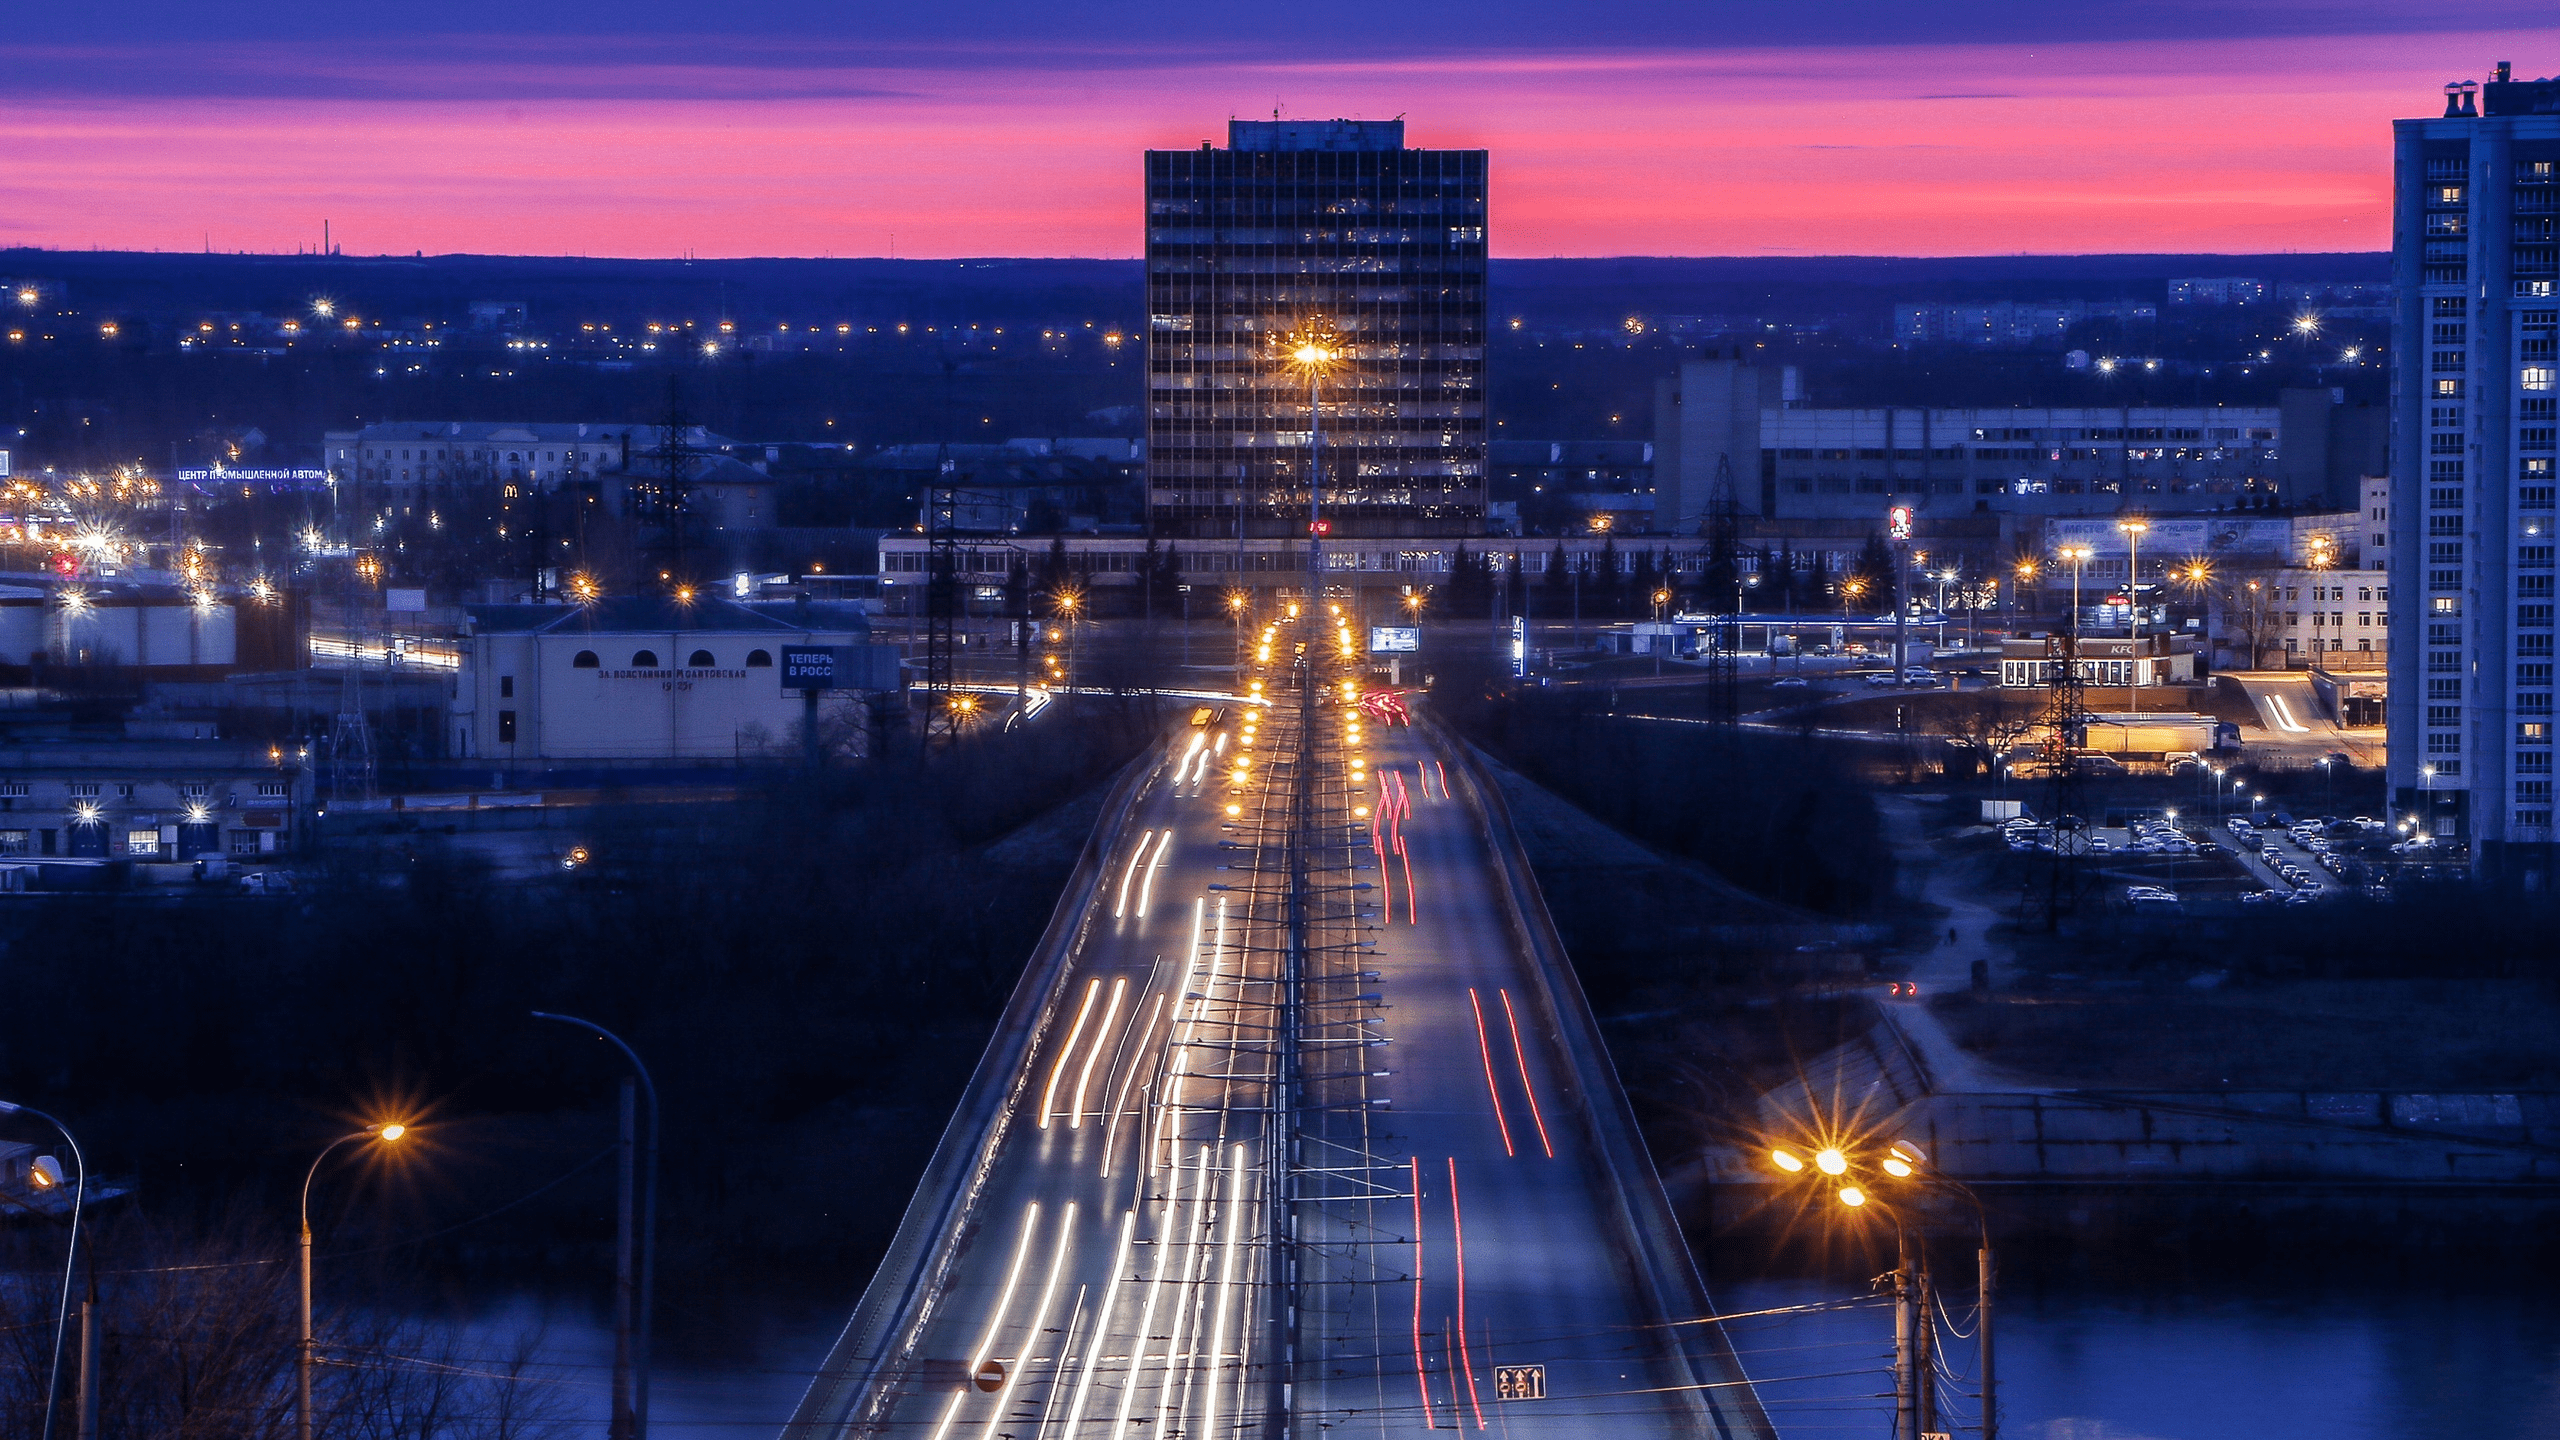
(1898, 521)
(1394, 639)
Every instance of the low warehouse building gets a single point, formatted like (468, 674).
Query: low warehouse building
(640, 678)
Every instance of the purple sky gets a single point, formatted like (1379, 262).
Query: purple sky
(649, 128)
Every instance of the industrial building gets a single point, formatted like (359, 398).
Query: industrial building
(640, 678)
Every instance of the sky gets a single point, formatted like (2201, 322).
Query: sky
(1014, 127)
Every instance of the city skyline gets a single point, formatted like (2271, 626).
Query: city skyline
(1998, 131)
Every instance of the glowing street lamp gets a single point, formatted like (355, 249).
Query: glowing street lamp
(45, 1173)
(388, 1133)
(2134, 530)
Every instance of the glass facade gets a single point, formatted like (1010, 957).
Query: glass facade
(1304, 225)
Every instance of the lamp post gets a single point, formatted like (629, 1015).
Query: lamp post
(46, 1179)
(2077, 557)
(631, 1313)
(1312, 352)
(2134, 530)
(1236, 603)
(1859, 1180)
(388, 1133)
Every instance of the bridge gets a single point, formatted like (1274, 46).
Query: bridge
(1297, 1123)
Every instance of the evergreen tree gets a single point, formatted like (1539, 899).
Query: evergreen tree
(1875, 566)
(1609, 585)
(1056, 576)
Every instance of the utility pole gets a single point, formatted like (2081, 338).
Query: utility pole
(1906, 1377)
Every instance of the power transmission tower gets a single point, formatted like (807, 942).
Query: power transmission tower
(941, 601)
(666, 499)
(2064, 704)
(1724, 568)
(351, 767)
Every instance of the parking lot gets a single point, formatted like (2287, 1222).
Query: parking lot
(2161, 861)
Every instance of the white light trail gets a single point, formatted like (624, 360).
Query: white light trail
(1147, 889)
(1039, 1319)
(1120, 907)
(1102, 1323)
(1101, 1039)
(1231, 1215)
(1165, 1228)
(1120, 1104)
(1058, 1067)
(1185, 1285)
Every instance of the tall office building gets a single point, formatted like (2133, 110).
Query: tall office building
(2477, 268)
(1315, 223)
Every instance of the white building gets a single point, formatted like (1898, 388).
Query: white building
(642, 678)
(406, 461)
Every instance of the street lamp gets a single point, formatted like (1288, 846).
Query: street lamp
(1312, 352)
(2134, 530)
(631, 1341)
(1860, 1180)
(389, 1132)
(46, 1174)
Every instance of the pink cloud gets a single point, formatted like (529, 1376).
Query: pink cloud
(2242, 146)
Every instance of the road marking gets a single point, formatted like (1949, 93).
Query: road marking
(1058, 1067)
(1120, 907)
(1521, 1056)
(1485, 1048)
(1101, 1037)
(1147, 1312)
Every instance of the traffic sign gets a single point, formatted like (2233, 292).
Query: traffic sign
(990, 1377)
(1519, 1382)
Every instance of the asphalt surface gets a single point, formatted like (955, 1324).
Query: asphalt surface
(1451, 1219)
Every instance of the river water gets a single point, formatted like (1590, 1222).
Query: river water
(2400, 1360)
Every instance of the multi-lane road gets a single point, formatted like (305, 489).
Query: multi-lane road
(1295, 1128)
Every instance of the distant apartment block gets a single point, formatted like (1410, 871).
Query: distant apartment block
(2476, 263)
(2006, 322)
(2217, 290)
(1296, 223)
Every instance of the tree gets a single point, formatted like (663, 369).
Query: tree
(1055, 573)
(1610, 585)
(1875, 566)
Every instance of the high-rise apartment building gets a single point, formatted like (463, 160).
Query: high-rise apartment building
(1300, 224)
(2477, 266)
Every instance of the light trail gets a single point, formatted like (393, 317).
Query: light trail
(1165, 1229)
(950, 1413)
(1444, 778)
(1128, 1078)
(1229, 1216)
(1101, 1037)
(1066, 1052)
(1004, 1302)
(1421, 1371)
(1178, 1059)
(1182, 767)
(1186, 1285)
(1147, 890)
(1120, 907)
(1527, 1085)
(1058, 1371)
(2284, 716)
(1485, 1048)
(1039, 1320)
(1102, 1323)
(1458, 1223)
(1412, 902)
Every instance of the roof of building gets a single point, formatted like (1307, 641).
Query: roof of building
(662, 614)
(524, 432)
